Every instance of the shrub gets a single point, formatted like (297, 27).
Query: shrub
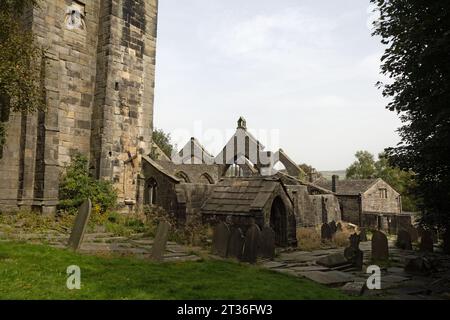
(341, 239)
(77, 185)
(193, 233)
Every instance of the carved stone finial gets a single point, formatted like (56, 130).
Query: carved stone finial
(242, 124)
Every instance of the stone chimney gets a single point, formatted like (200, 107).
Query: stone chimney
(334, 182)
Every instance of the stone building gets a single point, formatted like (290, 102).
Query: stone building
(239, 185)
(371, 203)
(98, 75)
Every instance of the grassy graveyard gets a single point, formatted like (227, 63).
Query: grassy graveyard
(39, 272)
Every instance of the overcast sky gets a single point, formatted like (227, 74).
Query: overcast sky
(302, 73)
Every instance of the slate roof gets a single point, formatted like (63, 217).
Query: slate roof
(240, 196)
(348, 187)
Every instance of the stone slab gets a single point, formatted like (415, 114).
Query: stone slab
(328, 278)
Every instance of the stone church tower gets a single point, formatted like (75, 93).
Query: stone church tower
(99, 81)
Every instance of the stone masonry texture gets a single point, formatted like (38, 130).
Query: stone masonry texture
(99, 75)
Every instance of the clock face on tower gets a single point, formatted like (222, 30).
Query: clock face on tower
(75, 15)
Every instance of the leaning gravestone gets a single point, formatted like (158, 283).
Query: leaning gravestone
(236, 243)
(79, 227)
(353, 254)
(159, 244)
(380, 246)
(404, 240)
(325, 232)
(333, 227)
(251, 244)
(426, 242)
(221, 239)
(267, 245)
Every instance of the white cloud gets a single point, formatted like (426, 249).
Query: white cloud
(308, 70)
(263, 35)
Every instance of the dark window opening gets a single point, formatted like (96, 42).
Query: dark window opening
(151, 189)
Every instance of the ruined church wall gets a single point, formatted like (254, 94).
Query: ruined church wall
(312, 209)
(98, 75)
(351, 208)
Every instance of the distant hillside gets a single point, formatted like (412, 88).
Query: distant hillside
(329, 174)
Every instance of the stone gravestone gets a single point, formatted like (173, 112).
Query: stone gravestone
(413, 232)
(404, 240)
(353, 254)
(79, 227)
(159, 244)
(426, 241)
(333, 227)
(221, 239)
(267, 245)
(325, 232)
(380, 246)
(236, 243)
(251, 244)
(362, 234)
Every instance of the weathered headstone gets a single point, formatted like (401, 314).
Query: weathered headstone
(362, 234)
(353, 254)
(404, 240)
(221, 239)
(79, 227)
(251, 244)
(236, 244)
(380, 246)
(413, 233)
(160, 241)
(267, 245)
(325, 232)
(426, 242)
(333, 227)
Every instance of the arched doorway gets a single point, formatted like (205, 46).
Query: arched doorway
(151, 187)
(278, 221)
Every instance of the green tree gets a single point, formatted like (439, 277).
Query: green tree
(20, 64)
(164, 141)
(363, 167)
(417, 60)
